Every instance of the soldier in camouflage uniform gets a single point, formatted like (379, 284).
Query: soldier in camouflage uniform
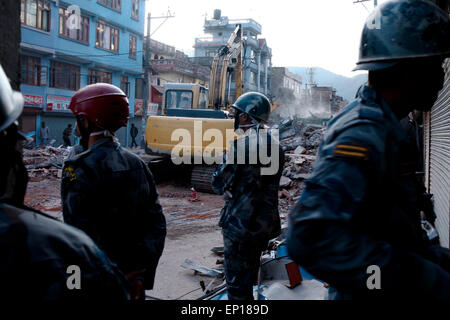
(36, 249)
(109, 192)
(250, 216)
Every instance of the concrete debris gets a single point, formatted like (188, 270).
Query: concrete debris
(300, 150)
(285, 182)
(300, 143)
(188, 264)
(45, 162)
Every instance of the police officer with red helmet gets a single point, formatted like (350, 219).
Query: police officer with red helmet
(109, 192)
(37, 251)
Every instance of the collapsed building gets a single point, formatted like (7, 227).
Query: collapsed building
(316, 103)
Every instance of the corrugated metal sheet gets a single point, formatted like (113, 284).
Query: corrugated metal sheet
(426, 148)
(439, 161)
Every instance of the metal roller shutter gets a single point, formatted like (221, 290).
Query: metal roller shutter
(439, 159)
(426, 148)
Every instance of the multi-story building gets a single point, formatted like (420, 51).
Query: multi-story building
(322, 102)
(69, 44)
(257, 59)
(169, 65)
(284, 80)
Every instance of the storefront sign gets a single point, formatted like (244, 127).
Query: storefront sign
(58, 103)
(32, 100)
(138, 107)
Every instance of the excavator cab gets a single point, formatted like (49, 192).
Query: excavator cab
(185, 96)
(188, 100)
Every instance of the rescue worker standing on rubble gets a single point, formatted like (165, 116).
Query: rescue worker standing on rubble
(250, 217)
(37, 250)
(109, 192)
(359, 215)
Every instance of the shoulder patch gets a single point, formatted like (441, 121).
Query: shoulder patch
(351, 150)
(69, 173)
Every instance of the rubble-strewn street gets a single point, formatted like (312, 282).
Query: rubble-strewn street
(192, 229)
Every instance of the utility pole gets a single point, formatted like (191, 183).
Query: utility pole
(147, 67)
(147, 79)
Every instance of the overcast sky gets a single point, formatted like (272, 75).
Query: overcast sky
(302, 33)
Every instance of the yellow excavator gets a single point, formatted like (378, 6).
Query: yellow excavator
(191, 110)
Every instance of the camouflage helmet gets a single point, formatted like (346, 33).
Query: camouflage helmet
(255, 104)
(403, 29)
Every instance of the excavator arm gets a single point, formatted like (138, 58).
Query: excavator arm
(229, 54)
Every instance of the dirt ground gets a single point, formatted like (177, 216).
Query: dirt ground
(191, 233)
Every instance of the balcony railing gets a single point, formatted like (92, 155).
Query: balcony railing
(230, 23)
(161, 48)
(180, 66)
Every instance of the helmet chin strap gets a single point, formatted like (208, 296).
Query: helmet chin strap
(106, 133)
(250, 125)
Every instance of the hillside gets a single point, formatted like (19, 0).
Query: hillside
(345, 87)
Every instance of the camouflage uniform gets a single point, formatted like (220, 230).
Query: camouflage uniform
(249, 218)
(110, 194)
(362, 208)
(36, 252)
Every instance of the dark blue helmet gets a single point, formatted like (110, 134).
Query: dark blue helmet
(255, 104)
(403, 29)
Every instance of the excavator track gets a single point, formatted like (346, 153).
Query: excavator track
(201, 177)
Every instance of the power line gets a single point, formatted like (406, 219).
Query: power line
(375, 2)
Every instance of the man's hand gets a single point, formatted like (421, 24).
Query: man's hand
(136, 290)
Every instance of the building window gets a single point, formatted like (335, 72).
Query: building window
(107, 37)
(125, 85)
(253, 78)
(139, 90)
(135, 9)
(113, 4)
(133, 46)
(35, 13)
(81, 34)
(96, 76)
(64, 76)
(32, 72)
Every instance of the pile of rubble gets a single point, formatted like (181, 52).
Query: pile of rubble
(300, 143)
(45, 162)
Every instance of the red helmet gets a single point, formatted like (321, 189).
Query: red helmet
(103, 104)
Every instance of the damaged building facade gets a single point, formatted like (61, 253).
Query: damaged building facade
(322, 101)
(287, 92)
(294, 101)
(257, 58)
(66, 46)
